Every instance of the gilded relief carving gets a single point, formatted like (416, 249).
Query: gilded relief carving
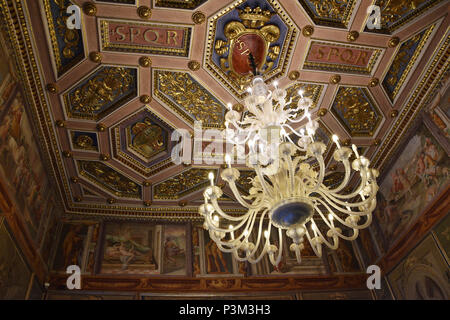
(356, 111)
(84, 140)
(107, 89)
(181, 184)
(146, 138)
(395, 13)
(335, 13)
(310, 90)
(109, 179)
(189, 98)
(403, 61)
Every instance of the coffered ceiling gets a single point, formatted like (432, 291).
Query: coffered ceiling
(108, 97)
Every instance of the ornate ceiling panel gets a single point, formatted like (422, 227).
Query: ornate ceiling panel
(67, 44)
(101, 93)
(397, 13)
(356, 111)
(142, 142)
(182, 184)
(187, 97)
(109, 179)
(338, 57)
(107, 98)
(263, 29)
(403, 62)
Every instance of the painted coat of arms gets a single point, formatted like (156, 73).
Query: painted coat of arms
(251, 36)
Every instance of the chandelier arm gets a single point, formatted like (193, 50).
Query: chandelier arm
(263, 181)
(329, 245)
(251, 260)
(239, 198)
(334, 229)
(318, 250)
(350, 195)
(344, 182)
(271, 256)
(351, 226)
(333, 204)
(291, 175)
(226, 216)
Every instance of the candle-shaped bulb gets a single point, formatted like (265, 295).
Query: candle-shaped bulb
(216, 218)
(211, 178)
(330, 217)
(300, 92)
(228, 160)
(275, 84)
(230, 226)
(229, 105)
(355, 150)
(266, 234)
(336, 140)
(249, 90)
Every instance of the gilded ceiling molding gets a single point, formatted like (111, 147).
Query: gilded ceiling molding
(311, 90)
(403, 61)
(187, 97)
(179, 4)
(356, 111)
(330, 13)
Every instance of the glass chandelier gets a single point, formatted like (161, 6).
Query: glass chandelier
(288, 192)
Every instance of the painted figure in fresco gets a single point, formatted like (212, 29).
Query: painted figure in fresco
(73, 245)
(147, 137)
(123, 248)
(171, 250)
(215, 260)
